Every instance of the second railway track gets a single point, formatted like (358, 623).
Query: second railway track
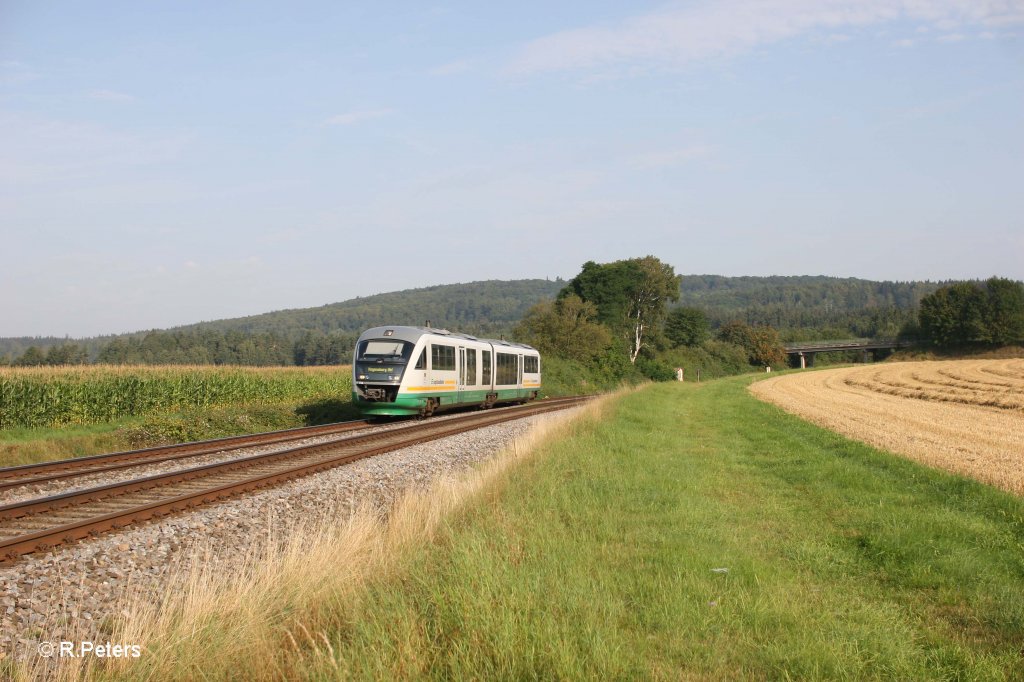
(45, 472)
(39, 524)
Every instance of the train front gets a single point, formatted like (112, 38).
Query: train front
(381, 358)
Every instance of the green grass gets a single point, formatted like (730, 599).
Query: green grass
(597, 560)
(31, 445)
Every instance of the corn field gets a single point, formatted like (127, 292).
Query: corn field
(48, 396)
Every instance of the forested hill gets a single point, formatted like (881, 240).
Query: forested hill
(788, 303)
(794, 305)
(490, 307)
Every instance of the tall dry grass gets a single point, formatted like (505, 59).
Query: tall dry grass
(267, 619)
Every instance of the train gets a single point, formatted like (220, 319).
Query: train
(409, 371)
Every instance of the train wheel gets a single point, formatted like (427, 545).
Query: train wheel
(429, 408)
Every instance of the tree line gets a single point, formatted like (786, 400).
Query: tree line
(792, 304)
(633, 315)
(620, 316)
(799, 307)
(989, 313)
(206, 347)
(615, 318)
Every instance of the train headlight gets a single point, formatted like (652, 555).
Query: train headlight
(362, 377)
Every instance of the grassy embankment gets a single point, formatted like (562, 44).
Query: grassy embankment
(693, 533)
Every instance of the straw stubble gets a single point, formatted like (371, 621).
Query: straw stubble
(965, 416)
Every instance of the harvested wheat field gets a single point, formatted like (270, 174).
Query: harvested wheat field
(966, 416)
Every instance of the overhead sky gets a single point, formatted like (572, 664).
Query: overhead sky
(164, 163)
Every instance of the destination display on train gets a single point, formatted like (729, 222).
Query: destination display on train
(377, 371)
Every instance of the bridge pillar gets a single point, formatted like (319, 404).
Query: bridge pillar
(803, 360)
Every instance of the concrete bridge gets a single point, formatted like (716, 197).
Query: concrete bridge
(806, 350)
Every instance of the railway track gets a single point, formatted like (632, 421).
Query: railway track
(42, 523)
(45, 472)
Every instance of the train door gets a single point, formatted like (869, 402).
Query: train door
(421, 375)
(487, 377)
(520, 386)
(462, 373)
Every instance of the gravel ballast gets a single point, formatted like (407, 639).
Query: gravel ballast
(138, 470)
(74, 591)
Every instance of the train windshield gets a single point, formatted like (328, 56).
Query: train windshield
(384, 350)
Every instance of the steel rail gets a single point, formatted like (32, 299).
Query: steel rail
(84, 466)
(368, 445)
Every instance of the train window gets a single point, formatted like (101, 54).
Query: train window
(471, 366)
(486, 369)
(422, 362)
(508, 369)
(530, 364)
(385, 350)
(442, 357)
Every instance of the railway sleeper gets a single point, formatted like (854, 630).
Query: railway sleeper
(54, 519)
(103, 507)
(280, 470)
(16, 532)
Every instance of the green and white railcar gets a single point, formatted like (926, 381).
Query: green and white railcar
(419, 370)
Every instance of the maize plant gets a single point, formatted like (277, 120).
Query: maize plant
(58, 396)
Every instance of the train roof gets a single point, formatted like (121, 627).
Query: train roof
(413, 334)
(503, 342)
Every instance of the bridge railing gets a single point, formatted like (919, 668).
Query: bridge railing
(844, 344)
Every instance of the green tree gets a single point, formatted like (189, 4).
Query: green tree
(66, 354)
(317, 348)
(736, 332)
(687, 327)
(631, 297)
(955, 315)
(761, 343)
(32, 357)
(607, 287)
(116, 352)
(765, 347)
(566, 328)
(1004, 311)
(199, 347)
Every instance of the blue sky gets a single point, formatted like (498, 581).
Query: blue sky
(166, 163)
